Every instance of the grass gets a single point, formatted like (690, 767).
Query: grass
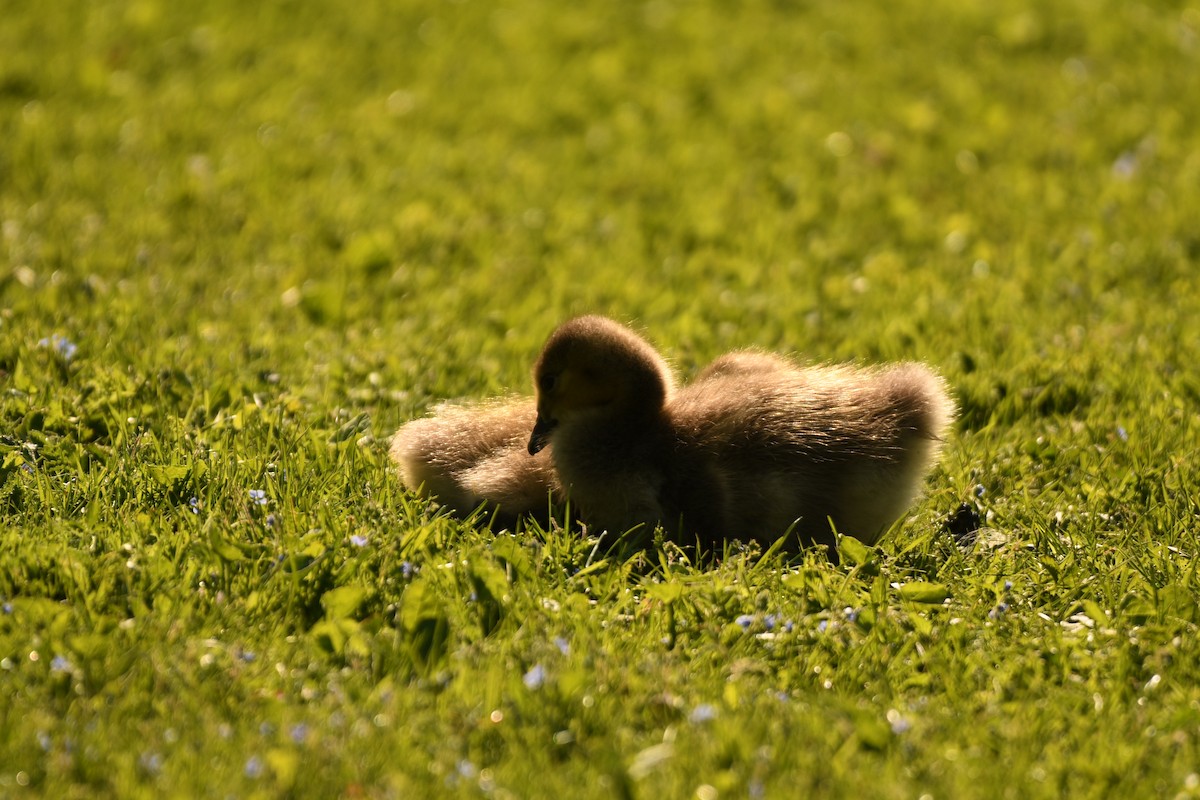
(243, 242)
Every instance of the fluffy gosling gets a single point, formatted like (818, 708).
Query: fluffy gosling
(754, 448)
(473, 455)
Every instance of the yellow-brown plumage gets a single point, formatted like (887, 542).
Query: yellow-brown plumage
(475, 454)
(754, 448)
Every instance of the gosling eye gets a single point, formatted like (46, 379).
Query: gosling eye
(547, 382)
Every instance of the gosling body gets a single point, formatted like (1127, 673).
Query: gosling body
(754, 448)
(472, 455)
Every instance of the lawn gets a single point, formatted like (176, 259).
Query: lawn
(243, 242)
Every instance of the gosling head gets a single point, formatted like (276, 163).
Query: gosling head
(594, 368)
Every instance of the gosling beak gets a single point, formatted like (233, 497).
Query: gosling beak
(541, 434)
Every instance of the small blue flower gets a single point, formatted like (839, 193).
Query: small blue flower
(407, 570)
(535, 677)
(705, 712)
(1122, 433)
(1126, 165)
(563, 645)
(359, 541)
(787, 626)
(298, 732)
(745, 620)
(466, 769)
(851, 614)
(258, 496)
(980, 491)
(770, 621)
(822, 625)
(60, 664)
(254, 767)
(271, 521)
(44, 741)
(151, 762)
(7, 607)
(194, 504)
(61, 345)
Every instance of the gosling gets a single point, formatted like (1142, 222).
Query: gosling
(474, 456)
(755, 448)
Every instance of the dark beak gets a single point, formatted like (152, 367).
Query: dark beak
(541, 434)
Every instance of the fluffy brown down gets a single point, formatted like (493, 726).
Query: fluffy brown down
(755, 447)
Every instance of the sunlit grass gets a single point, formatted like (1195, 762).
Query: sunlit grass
(241, 243)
